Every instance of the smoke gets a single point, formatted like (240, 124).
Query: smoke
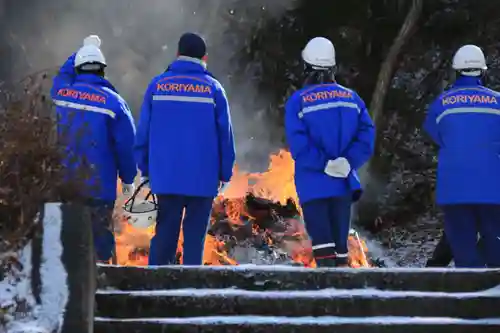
(139, 40)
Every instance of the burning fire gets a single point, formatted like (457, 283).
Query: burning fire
(276, 185)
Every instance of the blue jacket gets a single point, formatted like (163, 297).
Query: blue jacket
(98, 126)
(185, 139)
(324, 122)
(465, 123)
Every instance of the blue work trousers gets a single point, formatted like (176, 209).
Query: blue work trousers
(195, 224)
(328, 223)
(463, 224)
(101, 213)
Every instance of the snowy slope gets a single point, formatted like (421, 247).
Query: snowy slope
(16, 288)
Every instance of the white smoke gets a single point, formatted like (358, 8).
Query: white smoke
(140, 39)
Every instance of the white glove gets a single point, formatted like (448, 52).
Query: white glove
(223, 187)
(92, 40)
(339, 168)
(145, 181)
(128, 189)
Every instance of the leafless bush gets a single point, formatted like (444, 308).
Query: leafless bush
(31, 155)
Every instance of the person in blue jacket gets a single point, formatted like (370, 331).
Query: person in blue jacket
(185, 149)
(96, 126)
(464, 122)
(330, 135)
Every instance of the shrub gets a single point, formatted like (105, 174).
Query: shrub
(31, 172)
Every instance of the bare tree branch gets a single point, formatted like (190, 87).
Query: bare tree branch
(388, 66)
(370, 208)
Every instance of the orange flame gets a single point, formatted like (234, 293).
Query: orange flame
(275, 184)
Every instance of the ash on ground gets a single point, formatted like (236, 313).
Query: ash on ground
(247, 254)
(407, 245)
(258, 231)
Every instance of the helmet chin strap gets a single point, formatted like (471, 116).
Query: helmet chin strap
(92, 66)
(474, 72)
(318, 75)
(478, 74)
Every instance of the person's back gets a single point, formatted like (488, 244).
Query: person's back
(185, 149)
(184, 157)
(465, 123)
(95, 123)
(330, 135)
(332, 116)
(96, 128)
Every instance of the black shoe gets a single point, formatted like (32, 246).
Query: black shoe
(325, 256)
(342, 261)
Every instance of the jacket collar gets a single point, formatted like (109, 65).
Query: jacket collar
(185, 64)
(95, 79)
(193, 60)
(467, 81)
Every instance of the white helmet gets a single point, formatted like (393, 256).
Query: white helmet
(141, 213)
(319, 53)
(90, 52)
(469, 60)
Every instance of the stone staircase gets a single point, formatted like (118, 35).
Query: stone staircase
(287, 299)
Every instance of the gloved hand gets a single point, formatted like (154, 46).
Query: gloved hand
(145, 181)
(92, 40)
(128, 189)
(339, 168)
(223, 187)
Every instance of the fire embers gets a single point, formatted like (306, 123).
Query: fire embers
(139, 254)
(258, 231)
(254, 230)
(247, 230)
(264, 227)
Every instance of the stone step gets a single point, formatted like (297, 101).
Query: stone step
(344, 303)
(297, 325)
(295, 278)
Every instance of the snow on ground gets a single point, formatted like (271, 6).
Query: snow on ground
(409, 245)
(322, 293)
(55, 292)
(287, 268)
(16, 287)
(326, 320)
(47, 316)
